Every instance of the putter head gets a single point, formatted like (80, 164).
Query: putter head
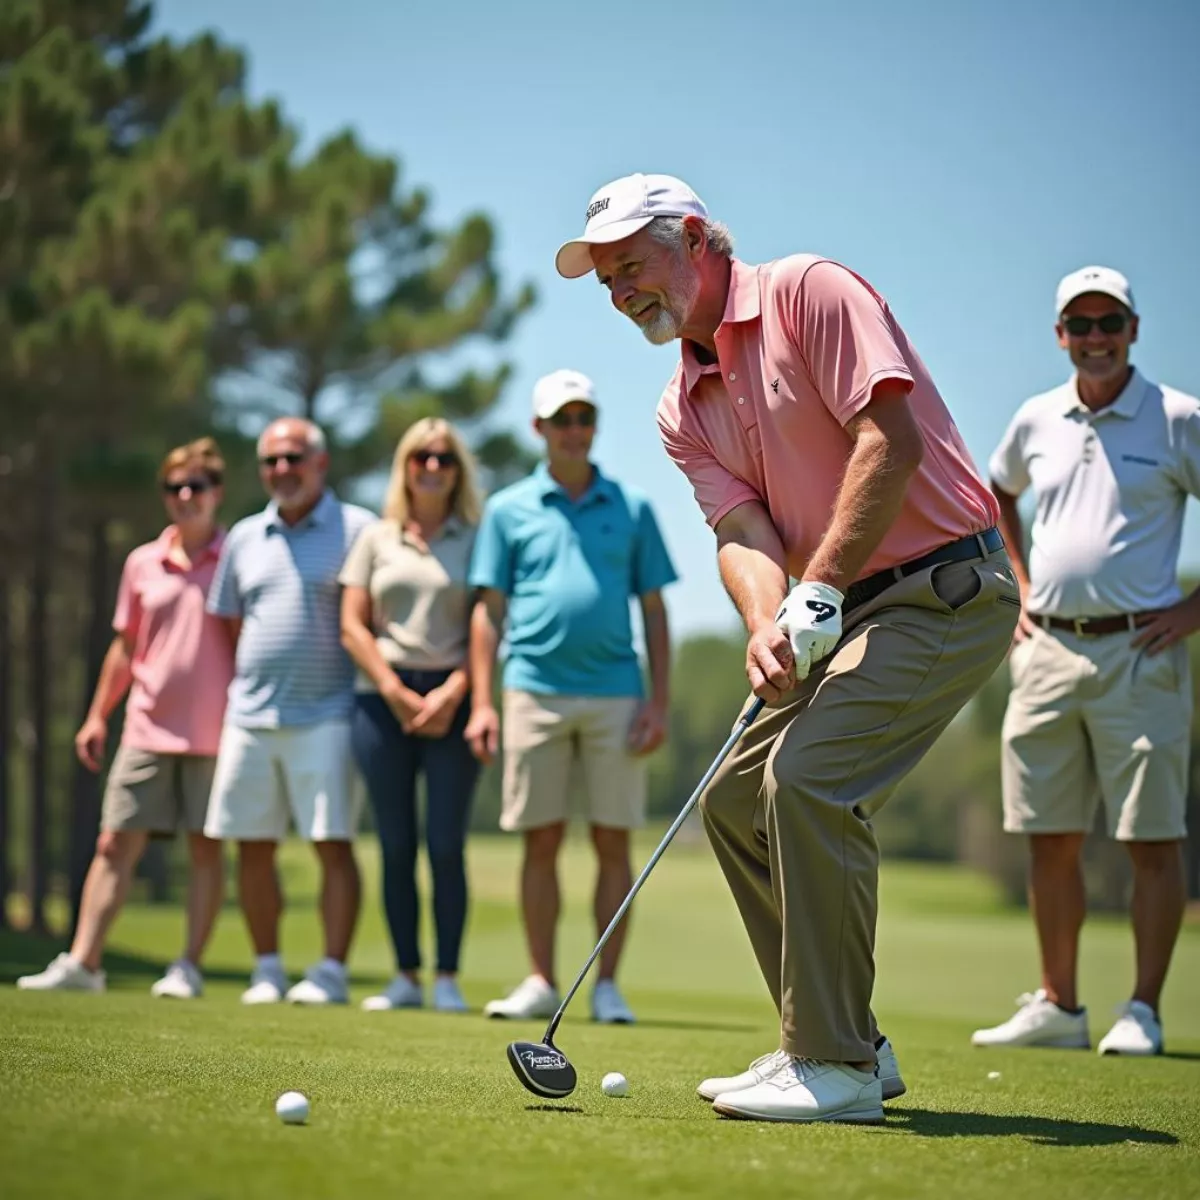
(542, 1068)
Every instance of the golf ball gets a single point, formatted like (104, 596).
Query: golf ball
(292, 1108)
(993, 1074)
(614, 1084)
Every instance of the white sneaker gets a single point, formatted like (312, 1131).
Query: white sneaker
(805, 1090)
(888, 1070)
(608, 1005)
(761, 1068)
(402, 992)
(1137, 1031)
(321, 985)
(533, 997)
(267, 986)
(182, 981)
(66, 975)
(447, 997)
(1038, 1022)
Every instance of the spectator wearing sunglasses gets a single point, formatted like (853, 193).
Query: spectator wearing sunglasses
(285, 756)
(175, 663)
(558, 557)
(1101, 699)
(405, 615)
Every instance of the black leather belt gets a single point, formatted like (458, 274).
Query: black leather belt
(1089, 626)
(976, 545)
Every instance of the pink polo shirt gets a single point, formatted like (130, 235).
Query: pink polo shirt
(182, 658)
(803, 344)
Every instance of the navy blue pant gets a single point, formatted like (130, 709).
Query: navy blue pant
(390, 761)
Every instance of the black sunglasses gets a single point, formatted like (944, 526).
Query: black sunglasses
(585, 419)
(1082, 326)
(197, 486)
(444, 458)
(270, 460)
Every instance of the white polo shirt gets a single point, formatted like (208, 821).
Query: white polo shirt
(1110, 489)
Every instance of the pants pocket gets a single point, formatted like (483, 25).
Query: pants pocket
(955, 584)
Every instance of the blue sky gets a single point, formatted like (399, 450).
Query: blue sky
(961, 155)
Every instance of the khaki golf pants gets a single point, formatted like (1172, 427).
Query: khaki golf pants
(789, 813)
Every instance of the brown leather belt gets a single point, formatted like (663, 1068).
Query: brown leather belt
(1089, 626)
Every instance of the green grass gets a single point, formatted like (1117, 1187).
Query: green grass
(137, 1097)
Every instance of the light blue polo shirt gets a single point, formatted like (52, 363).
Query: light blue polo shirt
(569, 569)
(282, 581)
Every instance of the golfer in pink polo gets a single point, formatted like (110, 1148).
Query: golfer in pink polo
(859, 544)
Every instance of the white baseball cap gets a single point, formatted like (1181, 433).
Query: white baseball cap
(560, 388)
(620, 209)
(1104, 280)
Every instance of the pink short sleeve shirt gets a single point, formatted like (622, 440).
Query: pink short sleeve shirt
(803, 344)
(182, 657)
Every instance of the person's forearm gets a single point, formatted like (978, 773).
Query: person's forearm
(1013, 533)
(868, 502)
(116, 674)
(751, 560)
(485, 641)
(362, 647)
(458, 681)
(658, 648)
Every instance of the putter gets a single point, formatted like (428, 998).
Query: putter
(541, 1066)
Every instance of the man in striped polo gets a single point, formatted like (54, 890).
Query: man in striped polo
(285, 748)
(1101, 700)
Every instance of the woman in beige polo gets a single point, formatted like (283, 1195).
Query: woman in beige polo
(405, 614)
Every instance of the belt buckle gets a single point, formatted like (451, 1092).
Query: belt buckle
(1079, 629)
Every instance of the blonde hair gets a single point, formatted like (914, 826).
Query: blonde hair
(204, 451)
(465, 501)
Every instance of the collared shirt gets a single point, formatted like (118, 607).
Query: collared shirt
(569, 568)
(282, 581)
(181, 659)
(1110, 489)
(803, 344)
(420, 608)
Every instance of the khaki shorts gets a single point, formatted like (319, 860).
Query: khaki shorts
(1093, 719)
(157, 793)
(554, 742)
(267, 779)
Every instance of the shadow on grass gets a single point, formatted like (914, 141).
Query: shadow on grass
(1181, 1055)
(702, 1026)
(556, 1108)
(1039, 1131)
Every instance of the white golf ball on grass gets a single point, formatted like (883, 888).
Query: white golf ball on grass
(292, 1108)
(614, 1084)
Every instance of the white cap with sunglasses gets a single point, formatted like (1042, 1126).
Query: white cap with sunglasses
(1103, 280)
(560, 388)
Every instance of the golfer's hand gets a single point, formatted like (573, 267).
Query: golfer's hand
(483, 733)
(1157, 631)
(811, 616)
(1025, 626)
(769, 662)
(648, 729)
(90, 743)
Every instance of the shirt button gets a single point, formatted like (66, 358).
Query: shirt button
(732, 376)
(741, 399)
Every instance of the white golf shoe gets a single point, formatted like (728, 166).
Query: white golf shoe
(182, 981)
(1138, 1031)
(803, 1090)
(322, 984)
(402, 992)
(447, 997)
(267, 986)
(531, 998)
(888, 1071)
(64, 974)
(608, 1005)
(1038, 1022)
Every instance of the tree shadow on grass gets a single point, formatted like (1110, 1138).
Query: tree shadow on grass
(1038, 1131)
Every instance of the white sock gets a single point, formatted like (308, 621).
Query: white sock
(332, 964)
(270, 962)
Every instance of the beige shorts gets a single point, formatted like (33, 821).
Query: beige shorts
(267, 779)
(1093, 719)
(157, 793)
(552, 744)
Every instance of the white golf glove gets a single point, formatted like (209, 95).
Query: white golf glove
(811, 616)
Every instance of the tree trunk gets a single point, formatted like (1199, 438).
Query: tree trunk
(38, 649)
(85, 792)
(6, 740)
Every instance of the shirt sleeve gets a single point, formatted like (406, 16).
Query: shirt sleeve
(492, 559)
(1007, 466)
(224, 596)
(1189, 454)
(717, 490)
(847, 337)
(128, 615)
(652, 566)
(360, 562)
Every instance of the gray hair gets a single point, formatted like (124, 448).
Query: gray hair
(314, 435)
(669, 232)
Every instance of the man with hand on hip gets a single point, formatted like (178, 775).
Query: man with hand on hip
(820, 451)
(559, 555)
(1101, 699)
